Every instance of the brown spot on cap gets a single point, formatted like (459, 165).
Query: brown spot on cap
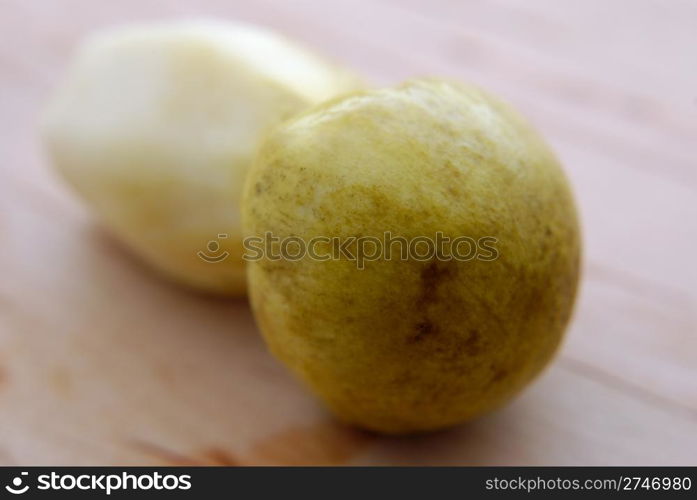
(499, 375)
(431, 278)
(423, 330)
(471, 345)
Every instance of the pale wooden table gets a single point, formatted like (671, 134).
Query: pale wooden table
(102, 362)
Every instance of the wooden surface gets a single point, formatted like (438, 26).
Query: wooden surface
(102, 362)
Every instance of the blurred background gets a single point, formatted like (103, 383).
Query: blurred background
(102, 362)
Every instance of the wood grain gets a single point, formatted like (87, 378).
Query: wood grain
(102, 362)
